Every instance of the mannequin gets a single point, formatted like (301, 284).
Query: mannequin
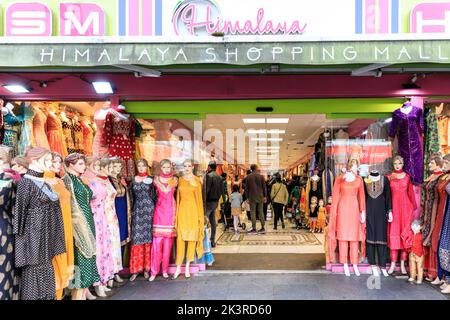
(430, 205)
(20, 165)
(434, 270)
(190, 218)
(407, 123)
(403, 205)
(347, 219)
(9, 280)
(444, 247)
(63, 263)
(416, 257)
(123, 207)
(104, 258)
(163, 220)
(84, 228)
(38, 229)
(26, 139)
(143, 199)
(119, 137)
(313, 213)
(88, 134)
(314, 188)
(55, 133)
(379, 211)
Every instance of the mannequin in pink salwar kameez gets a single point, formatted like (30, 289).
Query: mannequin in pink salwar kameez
(163, 220)
(347, 219)
(400, 234)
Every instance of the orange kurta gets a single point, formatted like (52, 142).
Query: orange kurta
(63, 263)
(190, 214)
(348, 203)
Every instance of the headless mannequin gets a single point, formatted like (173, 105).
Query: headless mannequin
(406, 108)
(114, 171)
(350, 176)
(188, 176)
(142, 169)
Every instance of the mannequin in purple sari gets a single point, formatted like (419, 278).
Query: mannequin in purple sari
(408, 125)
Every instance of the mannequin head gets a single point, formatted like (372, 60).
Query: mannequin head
(188, 167)
(39, 159)
(435, 163)
(330, 200)
(57, 162)
(398, 163)
(93, 163)
(446, 163)
(352, 166)
(316, 172)
(314, 201)
(166, 166)
(104, 167)
(76, 163)
(142, 166)
(20, 164)
(321, 203)
(5, 157)
(117, 167)
(416, 226)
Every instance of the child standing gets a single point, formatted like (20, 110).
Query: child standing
(322, 216)
(313, 213)
(236, 202)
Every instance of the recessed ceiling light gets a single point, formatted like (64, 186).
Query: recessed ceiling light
(293, 134)
(16, 88)
(267, 148)
(278, 120)
(264, 131)
(103, 87)
(257, 120)
(268, 139)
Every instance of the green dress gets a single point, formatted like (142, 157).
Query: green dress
(86, 272)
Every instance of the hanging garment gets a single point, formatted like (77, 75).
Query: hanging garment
(208, 257)
(39, 236)
(88, 138)
(84, 233)
(9, 281)
(123, 209)
(73, 134)
(345, 218)
(99, 149)
(432, 144)
(314, 188)
(11, 133)
(39, 133)
(328, 178)
(119, 137)
(378, 204)
(436, 232)
(104, 243)
(403, 205)
(63, 264)
(26, 130)
(443, 123)
(409, 128)
(55, 135)
(444, 241)
(429, 206)
(378, 148)
(190, 218)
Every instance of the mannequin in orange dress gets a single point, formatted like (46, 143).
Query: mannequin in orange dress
(348, 219)
(55, 133)
(39, 121)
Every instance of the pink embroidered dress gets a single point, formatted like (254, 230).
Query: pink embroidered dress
(164, 214)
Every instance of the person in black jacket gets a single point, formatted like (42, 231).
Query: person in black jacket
(213, 191)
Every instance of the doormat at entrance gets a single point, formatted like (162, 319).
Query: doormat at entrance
(276, 238)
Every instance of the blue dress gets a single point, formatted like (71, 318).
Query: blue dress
(207, 257)
(122, 203)
(444, 241)
(26, 131)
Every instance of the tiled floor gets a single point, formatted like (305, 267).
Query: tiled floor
(274, 286)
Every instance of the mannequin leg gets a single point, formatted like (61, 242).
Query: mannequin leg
(89, 295)
(382, 251)
(394, 258)
(343, 256)
(404, 257)
(157, 256)
(189, 256)
(167, 251)
(412, 267)
(147, 257)
(181, 250)
(354, 258)
(136, 261)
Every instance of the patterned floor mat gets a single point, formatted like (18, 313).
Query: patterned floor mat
(271, 238)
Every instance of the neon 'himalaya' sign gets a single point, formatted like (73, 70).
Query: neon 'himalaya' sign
(99, 18)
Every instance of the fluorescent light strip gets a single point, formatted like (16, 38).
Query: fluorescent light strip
(278, 120)
(264, 131)
(267, 139)
(16, 88)
(257, 120)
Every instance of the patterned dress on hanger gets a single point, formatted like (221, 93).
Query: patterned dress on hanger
(73, 134)
(99, 149)
(26, 131)
(431, 198)
(432, 144)
(12, 132)
(40, 136)
(9, 281)
(119, 135)
(88, 138)
(55, 135)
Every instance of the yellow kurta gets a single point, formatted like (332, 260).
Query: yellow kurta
(190, 214)
(63, 263)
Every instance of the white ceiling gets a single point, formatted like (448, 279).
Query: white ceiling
(301, 128)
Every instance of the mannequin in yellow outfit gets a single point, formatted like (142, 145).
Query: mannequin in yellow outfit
(189, 219)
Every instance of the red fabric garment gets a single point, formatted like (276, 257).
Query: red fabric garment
(417, 245)
(140, 258)
(345, 225)
(119, 135)
(399, 230)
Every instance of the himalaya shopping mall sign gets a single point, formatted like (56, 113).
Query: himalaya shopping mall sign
(163, 32)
